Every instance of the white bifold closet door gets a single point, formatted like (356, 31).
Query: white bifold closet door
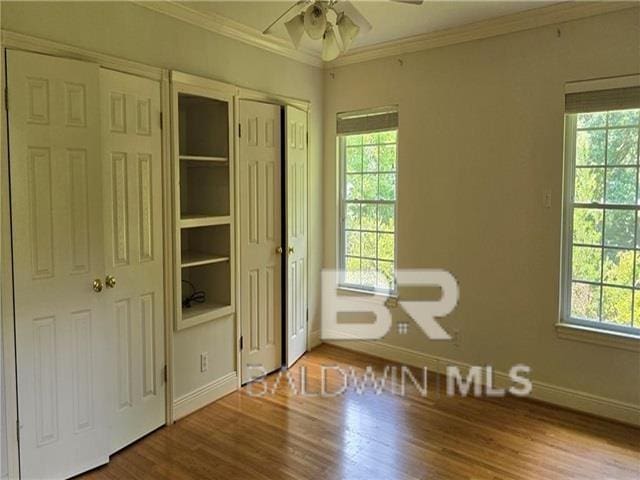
(85, 204)
(61, 323)
(132, 200)
(296, 199)
(260, 238)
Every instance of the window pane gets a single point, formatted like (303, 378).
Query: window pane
(370, 159)
(352, 246)
(585, 301)
(369, 217)
(637, 280)
(370, 138)
(388, 137)
(352, 267)
(621, 185)
(586, 263)
(368, 227)
(352, 216)
(370, 186)
(622, 146)
(590, 146)
(385, 275)
(636, 309)
(387, 157)
(386, 219)
(387, 186)
(616, 305)
(587, 226)
(624, 117)
(369, 273)
(589, 185)
(369, 244)
(354, 159)
(618, 267)
(619, 226)
(595, 119)
(354, 187)
(354, 139)
(386, 246)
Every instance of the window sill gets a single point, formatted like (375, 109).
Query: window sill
(390, 296)
(595, 336)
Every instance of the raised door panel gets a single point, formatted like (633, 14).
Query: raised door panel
(58, 252)
(131, 148)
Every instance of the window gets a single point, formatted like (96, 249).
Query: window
(368, 152)
(602, 225)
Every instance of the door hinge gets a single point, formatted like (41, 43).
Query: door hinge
(239, 130)
(18, 430)
(165, 374)
(6, 98)
(241, 342)
(307, 137)
(161, 123)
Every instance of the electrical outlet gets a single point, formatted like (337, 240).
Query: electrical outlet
(204, 361)
(546, 199)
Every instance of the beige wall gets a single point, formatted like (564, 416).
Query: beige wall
(481, 140)
(129, 31)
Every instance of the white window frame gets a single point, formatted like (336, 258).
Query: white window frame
(583, 327)
(342, 202)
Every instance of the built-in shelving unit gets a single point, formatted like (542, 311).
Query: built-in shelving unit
(203, 193)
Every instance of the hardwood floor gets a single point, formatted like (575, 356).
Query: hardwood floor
(387, 436)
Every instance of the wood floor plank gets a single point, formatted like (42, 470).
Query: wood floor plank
(285, 435)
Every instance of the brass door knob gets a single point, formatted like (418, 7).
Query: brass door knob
(290, 250)
(279, 250)
(97, 285)
(110, 281)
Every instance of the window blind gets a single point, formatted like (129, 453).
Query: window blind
(602, 100)
(367, 121)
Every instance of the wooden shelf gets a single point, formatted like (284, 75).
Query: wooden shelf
(198, 158)
(194, 259)
(203, 312)
(198, 220)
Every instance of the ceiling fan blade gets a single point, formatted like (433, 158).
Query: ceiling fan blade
(410, 2)
(284, 14)
(354, 14)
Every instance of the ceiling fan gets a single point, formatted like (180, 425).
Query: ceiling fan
(322, 19)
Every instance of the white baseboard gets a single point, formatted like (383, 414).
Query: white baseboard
(314, 339)
(565, 397)
(204, 395)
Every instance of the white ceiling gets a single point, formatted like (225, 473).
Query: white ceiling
(390, 20)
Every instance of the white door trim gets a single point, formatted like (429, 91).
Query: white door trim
(18, 41)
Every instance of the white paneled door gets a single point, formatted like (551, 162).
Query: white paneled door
(260, 238)
(132, 185)
(85, 160)
(296, 200)
(58, 248)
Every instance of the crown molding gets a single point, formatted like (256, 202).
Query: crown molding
(516, 22)
(232, 29)
(526, 20)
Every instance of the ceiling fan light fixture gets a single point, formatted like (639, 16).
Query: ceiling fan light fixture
(315, 21)
(295, 29)
(348, 30)
(330, 47)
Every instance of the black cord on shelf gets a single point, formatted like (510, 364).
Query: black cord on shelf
(197, 296)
